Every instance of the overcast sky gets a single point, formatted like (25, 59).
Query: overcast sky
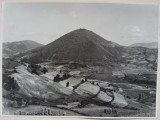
(45, 22)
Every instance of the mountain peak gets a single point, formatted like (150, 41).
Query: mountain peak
(11, 48)
(78, 45)
(81, 30)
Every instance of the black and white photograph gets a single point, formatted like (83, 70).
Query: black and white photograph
(79, 59)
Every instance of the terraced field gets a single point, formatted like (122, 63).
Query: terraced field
(75, 95)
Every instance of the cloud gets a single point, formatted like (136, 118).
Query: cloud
(134, 34)
(136, 31)
(73, 14)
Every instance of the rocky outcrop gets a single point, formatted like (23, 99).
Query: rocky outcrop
(119, 100)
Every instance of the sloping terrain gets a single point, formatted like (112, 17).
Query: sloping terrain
(138, 65)
(147, 45)
(31, 85)
(78, 45)
(38, 86)
(120, 79)
(11, 48)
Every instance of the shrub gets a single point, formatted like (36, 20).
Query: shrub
(57, 78)
(11, 84)
(44, 70)
(34, 71)
(67, 84)
(85, 78)
(65, 76)
(82, 81)
(15, 71)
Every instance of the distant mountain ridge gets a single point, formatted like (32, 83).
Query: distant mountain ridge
(11, 48)
(78, 45)
(147, 45)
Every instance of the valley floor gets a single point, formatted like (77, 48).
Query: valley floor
(124, 99)
(94, 111)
